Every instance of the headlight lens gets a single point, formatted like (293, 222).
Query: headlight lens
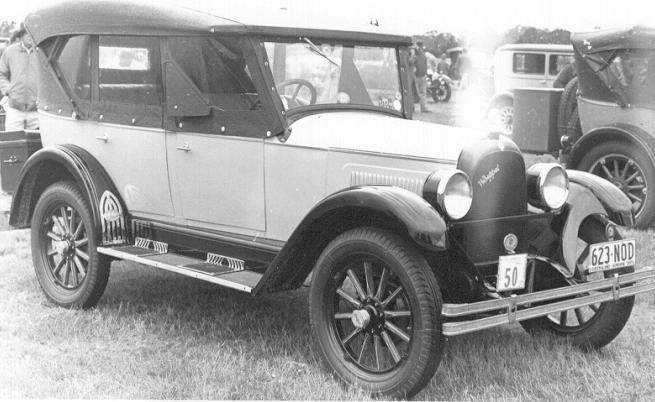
(457, 195)
(450, 191)
(548, 185)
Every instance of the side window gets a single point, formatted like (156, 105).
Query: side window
(218, 69)
(74, 62)
(557, 62)
(529, 63)
(129, 70)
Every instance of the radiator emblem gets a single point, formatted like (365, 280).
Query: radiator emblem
(489, 176)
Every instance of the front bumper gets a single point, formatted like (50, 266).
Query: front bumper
(518, 308)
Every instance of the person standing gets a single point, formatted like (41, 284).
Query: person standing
(420, 75)
(443, 67)
(18, 74)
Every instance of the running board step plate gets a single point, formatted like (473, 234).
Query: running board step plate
(231, 276)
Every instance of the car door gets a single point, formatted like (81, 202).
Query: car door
(214, 144)
(116, 83)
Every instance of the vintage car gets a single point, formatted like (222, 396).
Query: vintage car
(525, 65)
(251, 156)
(616, 107)
(605, 116)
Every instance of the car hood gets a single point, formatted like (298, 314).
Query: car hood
(377, 133)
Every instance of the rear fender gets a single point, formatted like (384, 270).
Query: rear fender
(391, 208)
(71, 163)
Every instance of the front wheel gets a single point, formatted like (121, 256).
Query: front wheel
(374, 308)
(500, 116)
(629, 168)
(589, 327)
(64, 239)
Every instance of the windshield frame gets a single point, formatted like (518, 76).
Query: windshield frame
(402, 58)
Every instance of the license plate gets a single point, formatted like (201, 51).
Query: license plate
(511, 272)
(611, 255)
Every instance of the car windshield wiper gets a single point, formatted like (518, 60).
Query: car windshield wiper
(318, 51)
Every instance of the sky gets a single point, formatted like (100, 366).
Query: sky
(462, 17)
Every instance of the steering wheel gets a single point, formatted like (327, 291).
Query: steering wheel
(299, 83)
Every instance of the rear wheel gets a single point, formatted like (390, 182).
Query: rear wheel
(441, 92)
(68, 267)
(629, 168)
(375, 310)
(593, 326)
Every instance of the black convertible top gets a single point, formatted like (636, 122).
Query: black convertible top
(123, 17)
(617, 65)
(637, 37)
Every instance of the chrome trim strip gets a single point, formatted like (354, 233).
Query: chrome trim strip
(173, 268)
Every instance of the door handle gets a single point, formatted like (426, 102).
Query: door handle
(104, 138)
(185, 147)
(543, 82)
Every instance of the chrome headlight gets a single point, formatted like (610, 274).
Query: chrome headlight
(548, 185)
(451, 191)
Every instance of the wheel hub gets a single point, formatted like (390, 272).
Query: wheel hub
(361, 318)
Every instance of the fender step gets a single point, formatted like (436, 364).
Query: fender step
(221, 270)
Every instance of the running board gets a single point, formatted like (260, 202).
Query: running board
(221, 270)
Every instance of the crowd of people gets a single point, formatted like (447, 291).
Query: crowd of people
(422, 62)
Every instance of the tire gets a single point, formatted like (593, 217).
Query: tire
(500, 116)
(70, 271)
(397, 346)
(592, 326)
(441, 93)
(640, 171)
(568, 104)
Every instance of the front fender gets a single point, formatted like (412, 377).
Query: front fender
(391, 208)
(581, 204)
(70, 163)
(617, 205)
(500, 97)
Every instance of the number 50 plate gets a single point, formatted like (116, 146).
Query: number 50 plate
(611, 255)
(511, 272)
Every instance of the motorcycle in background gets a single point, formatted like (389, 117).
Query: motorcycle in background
(439, 86)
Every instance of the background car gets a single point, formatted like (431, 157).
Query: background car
(522, 66)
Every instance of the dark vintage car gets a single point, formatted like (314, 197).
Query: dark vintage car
(606, 116)
(256, 156)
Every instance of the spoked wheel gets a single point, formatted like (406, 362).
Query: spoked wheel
(67, 266)
(374, 310)
(67, 246)
(372, 321)
(441, 92)
(501, 116)
(624, 173)
(628, 168)
(593, 326)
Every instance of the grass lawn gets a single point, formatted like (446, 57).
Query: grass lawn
(159, 335)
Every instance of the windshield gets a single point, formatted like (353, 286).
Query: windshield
(308, 72)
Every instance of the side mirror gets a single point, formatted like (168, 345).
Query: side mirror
(182, 97)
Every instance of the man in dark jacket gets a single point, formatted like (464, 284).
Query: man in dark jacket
(18, 69)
